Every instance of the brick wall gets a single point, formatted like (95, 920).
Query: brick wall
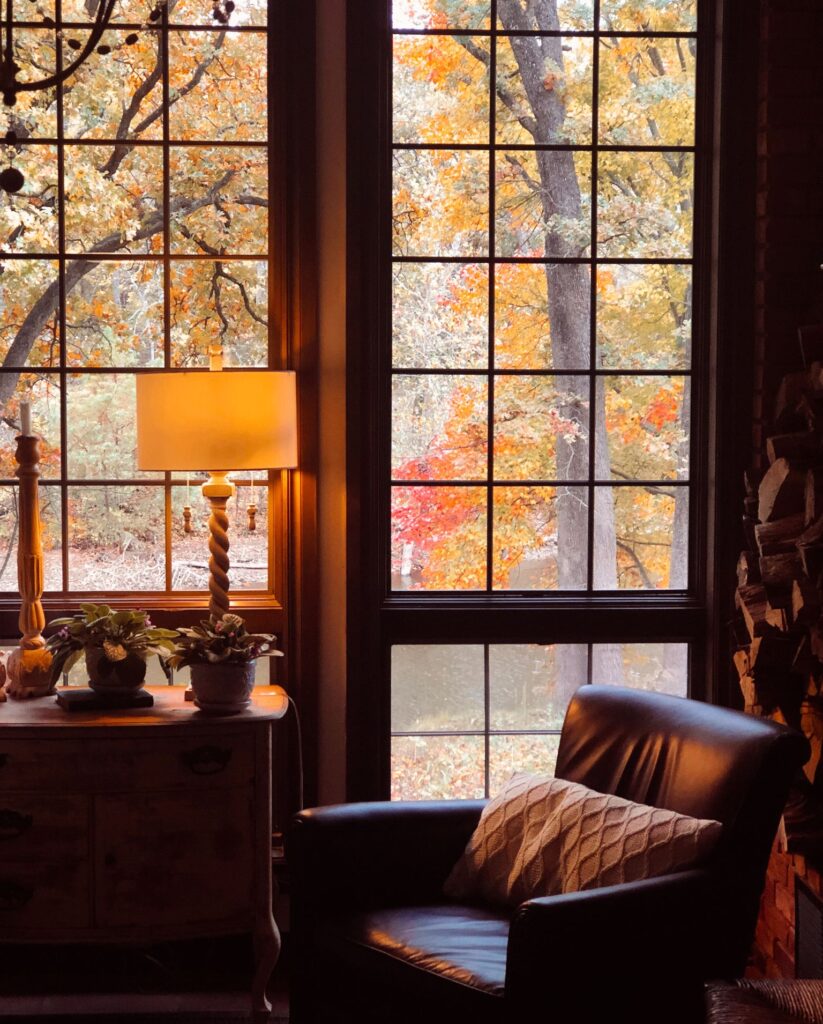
(789, 286)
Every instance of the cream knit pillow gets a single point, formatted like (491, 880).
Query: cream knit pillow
(541, 836)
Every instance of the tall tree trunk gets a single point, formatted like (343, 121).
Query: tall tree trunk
(569, 290)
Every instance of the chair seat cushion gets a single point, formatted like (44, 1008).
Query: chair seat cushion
(456, 953)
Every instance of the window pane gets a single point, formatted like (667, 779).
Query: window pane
(509, 755)
(657, 16)
(541, 428)
(116, 538)
(441, 89)
(542, 314)
(540, 538)
(645, 205)
(437, 767)
(441, 427)
(437, 687)
(130, 190)
(644, 316)
(571, 14)
(102, 427)
(218, 86)
(236, 218)
(440, 315)
(660, 667)
(116, 95)
(43, 393)
(49, 498)
(647, 91)
(22, 282)
(438, 538)
(554, 68)
(35, 113)
(28, 219)
(530, 685)
(645, 427)
(543, 203)
(249, 550)
(224, 302)
(440, 14)
(441, 203)
(114, 313)
(194, 12)
(124, 10)
(650, 537)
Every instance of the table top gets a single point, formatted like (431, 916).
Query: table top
(170, 709)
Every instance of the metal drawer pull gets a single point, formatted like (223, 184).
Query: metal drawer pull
(206, 760)
(13, 896)
(13, 823)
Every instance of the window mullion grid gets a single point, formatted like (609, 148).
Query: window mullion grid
(486, 722)
(167, 490)
(61, 299)
(490, 386)
(593, 381)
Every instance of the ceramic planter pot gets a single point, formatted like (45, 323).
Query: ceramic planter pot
(222, 688)
(106, 676)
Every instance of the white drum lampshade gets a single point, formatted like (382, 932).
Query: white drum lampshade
(224, 420)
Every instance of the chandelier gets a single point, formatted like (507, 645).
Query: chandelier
(11, 179)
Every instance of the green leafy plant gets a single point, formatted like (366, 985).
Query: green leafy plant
(221, 640)
(118, 634)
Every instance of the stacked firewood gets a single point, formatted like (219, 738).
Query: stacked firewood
(779, 597)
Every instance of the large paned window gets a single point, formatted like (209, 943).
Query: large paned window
(542, 369)
(141, 238)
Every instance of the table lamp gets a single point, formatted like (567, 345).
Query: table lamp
(217, 420)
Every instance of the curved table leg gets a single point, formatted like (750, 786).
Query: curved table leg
(266, 955)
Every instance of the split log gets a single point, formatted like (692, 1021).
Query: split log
(782, 491)
(780, 535)
(749, 523)
(753, 604)
(780, 571)
(813, 494)
(810, 410)
(751, 481)
(811, 558)
(805, 602)
(779, 618)
(801, 447)
(748, 569)
(747, 688)
(751, 506)
(813, 534)
(789, 393)
(811, 725)
(742, 661)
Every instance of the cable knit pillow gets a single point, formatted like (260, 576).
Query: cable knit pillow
(541, 836)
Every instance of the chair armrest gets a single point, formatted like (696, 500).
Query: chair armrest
(623, 946)
(370, 855)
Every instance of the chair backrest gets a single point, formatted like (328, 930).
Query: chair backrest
(695, 758)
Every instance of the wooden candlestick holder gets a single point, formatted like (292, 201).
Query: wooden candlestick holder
(29, 665)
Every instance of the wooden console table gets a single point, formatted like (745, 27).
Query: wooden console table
(139, 826)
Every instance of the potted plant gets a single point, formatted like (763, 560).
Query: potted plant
(221, 653)
(116, 646)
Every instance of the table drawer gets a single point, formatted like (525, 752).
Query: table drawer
(44, 897)
(38, 827)
(170, 762)
(42, 764)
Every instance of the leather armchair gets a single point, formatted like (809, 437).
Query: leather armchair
(375, 940)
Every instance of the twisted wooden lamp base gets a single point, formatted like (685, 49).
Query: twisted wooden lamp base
(218, 489)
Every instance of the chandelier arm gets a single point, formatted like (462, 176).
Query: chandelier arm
(105, 11)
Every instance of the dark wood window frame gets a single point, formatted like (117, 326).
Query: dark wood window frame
(724, 177)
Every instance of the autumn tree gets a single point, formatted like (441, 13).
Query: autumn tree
(542, 96)
(169, 225)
